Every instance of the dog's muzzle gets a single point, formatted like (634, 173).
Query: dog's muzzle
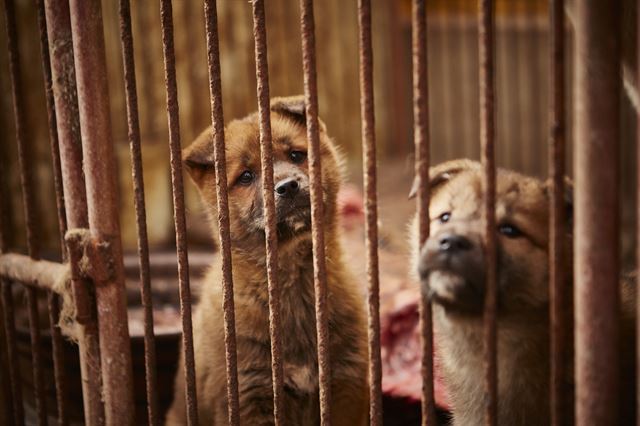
(451, 268)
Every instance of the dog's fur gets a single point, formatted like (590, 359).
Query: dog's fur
(451, 267)
(347, 322)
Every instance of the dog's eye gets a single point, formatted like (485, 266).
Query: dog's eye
(246, 177)
(509, 230)
(444, 217)
(297, 156)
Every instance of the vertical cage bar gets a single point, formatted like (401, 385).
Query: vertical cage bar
(638, 227)
(12, 352)
(557, 282)
(102, 203)
(6, 404)
(52, 299)
(597, 115)
(487, 140)
(178, 208)
(217, 120)
(70, 152)
(126, 40)
(371, 208)
(422, 160)
(266, 159)
(16, 415)
(30, 213)
(307, 29)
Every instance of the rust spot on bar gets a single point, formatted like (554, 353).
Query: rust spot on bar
(557, 283)
(178, 208)
(487, 141)
(266, 159)
(307, 29)
(102, 203)
(422, 140)
(371, 209)
(217, 119)
(126, 39)
(70, 151)
(596, 289)
(30, 213)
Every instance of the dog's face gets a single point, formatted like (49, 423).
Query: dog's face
(244, 175)
(452, 261)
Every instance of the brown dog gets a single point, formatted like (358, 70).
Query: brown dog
(451, 265)
(347, 322)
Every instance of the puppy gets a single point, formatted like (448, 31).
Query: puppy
(451, 267)
(347, 321)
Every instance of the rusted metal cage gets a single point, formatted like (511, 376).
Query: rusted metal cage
(90, 276)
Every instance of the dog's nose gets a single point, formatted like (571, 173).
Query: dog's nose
(454, 243)
(287, 188)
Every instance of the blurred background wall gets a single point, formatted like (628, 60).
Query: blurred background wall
(522, 92)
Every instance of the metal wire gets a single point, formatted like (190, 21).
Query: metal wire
(178, 208)
(421, 138)
(30, 213)
(307, 29)
(52, 299)
(217, 119)
(487, 140)
(597, 118)
(16, 411)
(266, 158)
(126, 40)
(371, 209)
(638, 234)
(70, 152)
(557, 276)
(103, 209)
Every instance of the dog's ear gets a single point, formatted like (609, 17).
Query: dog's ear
(293, 107)
(442, 173)
(198, 156)
(568, 200)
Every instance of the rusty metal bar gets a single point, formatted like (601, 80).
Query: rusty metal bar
(12, 353)
(51, 119)
(52, 299)
(422, 160)
(70, 151)
(178, 208)
(14, 400)
(367, 114)
(307, 29)
(42, 274)
(487, 139)
(126, 39)
(102, 203)
(6, 404)
(271, 237)
(597, 114)
(30, 213)
(217, 119)
(11, 383)
(638, 228)
(557, 281)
